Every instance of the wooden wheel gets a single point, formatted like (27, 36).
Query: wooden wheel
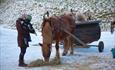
(101, 46)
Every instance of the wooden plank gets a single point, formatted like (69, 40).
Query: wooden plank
(88, 22)
(87, 33)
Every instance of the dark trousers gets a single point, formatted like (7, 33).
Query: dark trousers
(22, 53)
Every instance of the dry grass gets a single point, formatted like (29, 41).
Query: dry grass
(40, 62)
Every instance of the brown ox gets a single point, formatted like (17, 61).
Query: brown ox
(56, 28)
(53, 30)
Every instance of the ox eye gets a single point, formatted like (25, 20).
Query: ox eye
(40, 44)
(48, 45)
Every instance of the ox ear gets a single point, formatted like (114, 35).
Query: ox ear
(40, 44)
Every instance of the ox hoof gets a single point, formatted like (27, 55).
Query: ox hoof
(64, 54)
(71, 53)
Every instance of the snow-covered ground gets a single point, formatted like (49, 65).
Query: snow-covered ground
(83, 58)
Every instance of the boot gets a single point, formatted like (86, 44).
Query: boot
(22, 64)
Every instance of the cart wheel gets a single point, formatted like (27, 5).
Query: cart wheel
(101, 46)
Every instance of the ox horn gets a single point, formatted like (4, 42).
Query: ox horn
(47, 13)
(71, 10)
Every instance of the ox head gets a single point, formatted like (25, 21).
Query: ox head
(77, 16)
(47, 41)
(46, 51)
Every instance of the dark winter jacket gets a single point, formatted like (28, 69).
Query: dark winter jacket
(24, 29)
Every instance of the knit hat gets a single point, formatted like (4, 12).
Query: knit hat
(29, 17)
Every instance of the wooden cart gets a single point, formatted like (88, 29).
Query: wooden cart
(88, 32)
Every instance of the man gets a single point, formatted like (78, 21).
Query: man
(24, 28)
(112, 26)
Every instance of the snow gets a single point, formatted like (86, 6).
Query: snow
(83, 58)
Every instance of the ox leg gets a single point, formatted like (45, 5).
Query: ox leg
(66, 46)
(71, 49)
(57, 57)
(71, 52)
(57, 50)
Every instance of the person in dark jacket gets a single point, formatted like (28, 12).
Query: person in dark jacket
(24, 28)
(112, 26)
